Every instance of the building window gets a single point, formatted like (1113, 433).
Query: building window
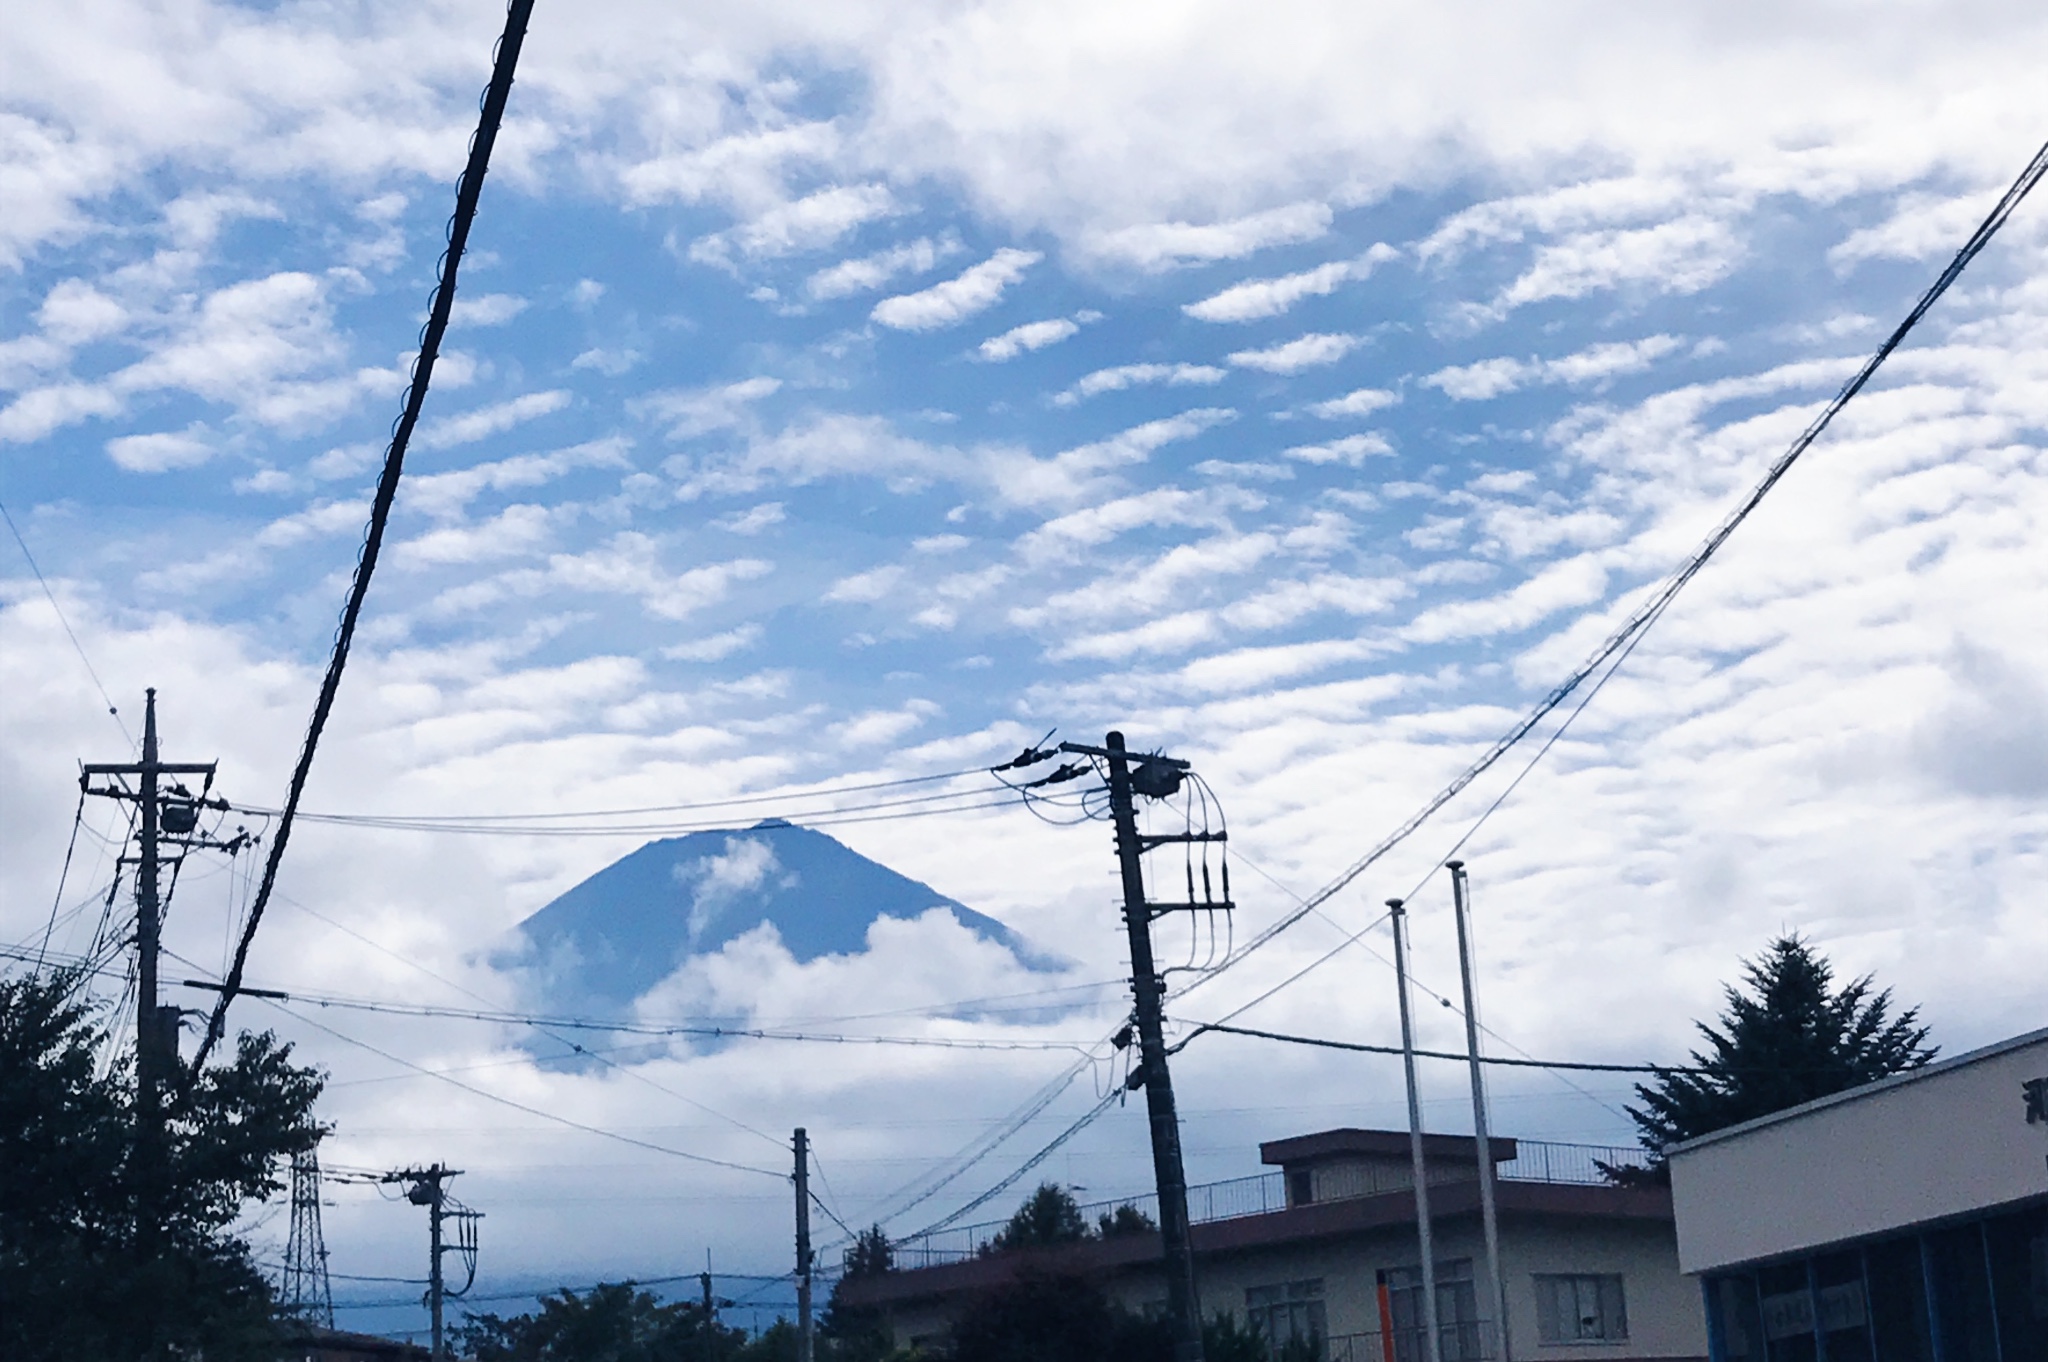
(1301, 1187)
(1461, 1335)
(1580, 1309)
(1292, 1310)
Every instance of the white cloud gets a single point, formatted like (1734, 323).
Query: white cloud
(865, 587)
(873, 271)
(487, 309)
(513, 532)
(159, 453)
(1360, 402)
(1303, 352)
(76, 313)
(1682, 256)
(808, 224)
(1351, 449)
(1257, 298)
(1165, 245)
(483, 422)
(1029, 336)
(445, 495)
(1132, 375)
(715, 647)
(1493, 377)
(977, 289)
(691, 412)
(753, 520)
(610, 363)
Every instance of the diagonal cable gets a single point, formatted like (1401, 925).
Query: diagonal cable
(1654, 605)
(467, 194)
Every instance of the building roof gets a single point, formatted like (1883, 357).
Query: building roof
(1295, 1225)
(1328, 1144)
(1899, 1080)
(348, 1341)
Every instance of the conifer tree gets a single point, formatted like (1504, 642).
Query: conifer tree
(1785, 1038)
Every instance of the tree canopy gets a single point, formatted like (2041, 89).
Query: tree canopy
(1050, 1215)
(81, 1280)
(1785, 1037)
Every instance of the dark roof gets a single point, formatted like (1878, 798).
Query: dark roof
(1295, 1225)
(1379, 1144)
(348, 1341)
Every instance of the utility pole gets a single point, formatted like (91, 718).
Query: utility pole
(428, 1187)
(156, 1026)
(1432, 1341)
(1489, 1214)
(710, 1311)
(1157, 777)
(804, 1341)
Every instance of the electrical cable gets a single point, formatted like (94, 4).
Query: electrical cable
(521, 1106)
(63, 877)
(470, 190)
(737, 801)
(1656, 603)
(1040, 1157)
(76, 646)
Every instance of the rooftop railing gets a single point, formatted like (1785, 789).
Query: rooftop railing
(1535, 1161)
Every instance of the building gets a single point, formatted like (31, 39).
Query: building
(1903, 1221)
(1326, 1247)
(341, 1345)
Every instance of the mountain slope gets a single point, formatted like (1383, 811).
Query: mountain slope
(616, 935)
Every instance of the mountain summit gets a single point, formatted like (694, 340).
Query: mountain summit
(613, 937)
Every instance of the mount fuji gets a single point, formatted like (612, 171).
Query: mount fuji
(608, 941)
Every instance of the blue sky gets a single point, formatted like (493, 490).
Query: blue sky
(863, 393)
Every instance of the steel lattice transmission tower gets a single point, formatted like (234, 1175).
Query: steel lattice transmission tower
(306, 1292)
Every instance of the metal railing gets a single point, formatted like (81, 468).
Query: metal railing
(1543, 1161)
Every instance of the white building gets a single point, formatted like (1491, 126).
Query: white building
(1327, 1247)
(1903, 1221)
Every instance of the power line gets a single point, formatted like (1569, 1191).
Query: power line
(736, 801)
(1361, 1048)
(521, 1106)
(634, 1028)
(1654, 606)
(467, 194)
(1108, 1100)
(76, 646)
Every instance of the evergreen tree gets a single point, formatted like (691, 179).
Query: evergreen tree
(850, 1333)
(74, 1278)
(1788, 1037)
(1049, 1215)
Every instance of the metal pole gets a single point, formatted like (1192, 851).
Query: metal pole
(803, 1247)
(1489, 1213)
(434, 1253)
(1148, 990)
(1432, 1343)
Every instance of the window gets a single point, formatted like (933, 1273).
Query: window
(1301, 1187)
(1461, 1335)
(1280, 1314)
(1580, 1309)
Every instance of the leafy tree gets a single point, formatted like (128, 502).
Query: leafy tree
(79, 1280)
(612, 1322)
(1040, 1318)
(870, 1255)
(1049, 1215)
(1787, 1037)
(1125, 1219)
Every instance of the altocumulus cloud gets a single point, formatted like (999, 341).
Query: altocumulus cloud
(976, 289)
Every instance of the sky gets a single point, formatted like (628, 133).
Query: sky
(857, 392)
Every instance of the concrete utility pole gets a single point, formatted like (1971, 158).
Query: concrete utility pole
(1482, 1136)
(428, 1187)
(804, 1340)
(1157, 777)
(710, 1311)
(1432, 1341)
(156, 1026)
